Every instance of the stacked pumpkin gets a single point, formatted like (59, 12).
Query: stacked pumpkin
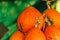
(33, 25)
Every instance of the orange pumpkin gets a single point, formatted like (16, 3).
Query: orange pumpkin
(26, 20)
(52, 33)
(17, 36)
(35, 34)
(52, 16)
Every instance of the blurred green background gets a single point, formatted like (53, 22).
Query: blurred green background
(9, 11)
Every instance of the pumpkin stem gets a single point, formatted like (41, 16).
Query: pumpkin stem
(37, 22)
(28, 5)
(48, 4)
(48, 21)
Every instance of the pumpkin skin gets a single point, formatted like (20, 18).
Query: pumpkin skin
(35, 34)
(53, 15)
(52, 33)
(28, 17)
(17, 36)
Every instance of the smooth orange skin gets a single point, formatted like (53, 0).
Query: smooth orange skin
(35, 34)
(54, 16)
(28, 17)
(17, 36)
(52, 33)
